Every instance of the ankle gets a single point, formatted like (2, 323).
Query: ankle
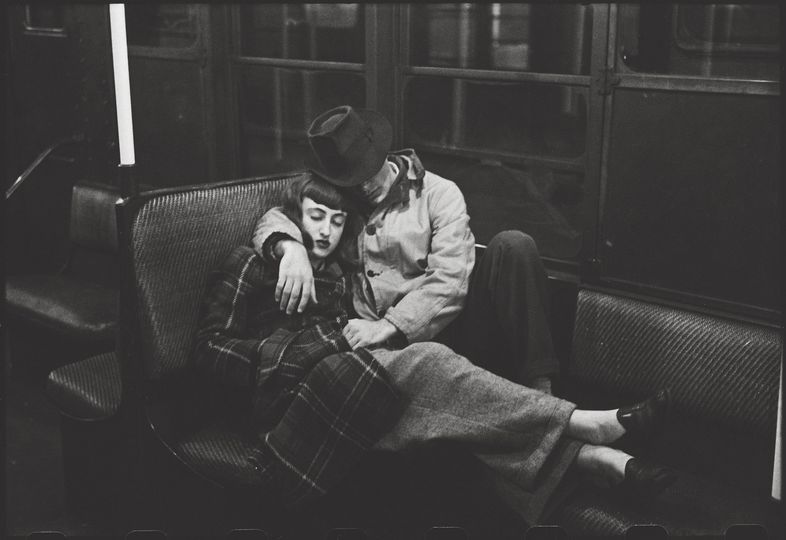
(603, 462)
(596, 427)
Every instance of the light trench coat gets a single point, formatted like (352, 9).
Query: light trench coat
(417, 252)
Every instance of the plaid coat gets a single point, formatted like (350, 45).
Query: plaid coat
(317, 405)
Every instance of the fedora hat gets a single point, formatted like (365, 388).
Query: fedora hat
(348, 145)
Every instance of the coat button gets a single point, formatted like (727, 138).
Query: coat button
(371, 229)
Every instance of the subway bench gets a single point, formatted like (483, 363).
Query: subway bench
(724, 379)
(723, 373)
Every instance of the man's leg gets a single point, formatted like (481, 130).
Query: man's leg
(504, 326)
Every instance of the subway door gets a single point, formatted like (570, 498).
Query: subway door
(691, 207)
(171, 100)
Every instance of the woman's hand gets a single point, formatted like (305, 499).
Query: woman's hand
(295, 286)
(363, 333)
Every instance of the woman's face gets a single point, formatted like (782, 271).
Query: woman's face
(325, 226)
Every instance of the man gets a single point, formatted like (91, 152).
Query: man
(418, 258)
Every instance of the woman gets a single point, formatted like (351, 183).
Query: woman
(423, 392)
(316, 405)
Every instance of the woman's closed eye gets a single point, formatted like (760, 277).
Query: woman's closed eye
(316, 215)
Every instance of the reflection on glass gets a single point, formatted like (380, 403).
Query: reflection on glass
(520, 118)
(544, 203)
(277, 106)
(717, 40)
(161, 25)
(518, 37)
(334, 32)
(44, 17)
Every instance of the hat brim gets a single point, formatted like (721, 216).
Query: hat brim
(371, 163)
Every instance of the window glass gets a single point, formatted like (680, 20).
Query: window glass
(277, 106)
(520, 118)
(333, 32)
(710, 40)
(45, 17)
(517, 37)
(691, 202)
(543, 202)
(161, 25)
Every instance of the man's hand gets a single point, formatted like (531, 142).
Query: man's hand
(363, 333)
(295, 286)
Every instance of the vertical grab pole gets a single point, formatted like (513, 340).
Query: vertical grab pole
(125, 124)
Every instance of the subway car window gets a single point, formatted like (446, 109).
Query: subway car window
(161, 25)
(503, 117)
(544, 202)
(515, 148)
(44, 18)
(332, 32)
(738, 41)
(276, 107)
(502, 36)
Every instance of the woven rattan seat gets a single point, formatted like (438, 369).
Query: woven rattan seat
(220, 454)
(176, 238)
(723, 375)
(89, 389)
(80, 301)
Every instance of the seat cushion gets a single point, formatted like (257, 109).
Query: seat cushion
(78, 309)
(693, 505)
(723, 376)
(220, 454)
(88, 389)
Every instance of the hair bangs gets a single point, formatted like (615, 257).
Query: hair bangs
(322, 192)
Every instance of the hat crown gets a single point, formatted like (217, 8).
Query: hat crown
(339, 139)
(348, 146)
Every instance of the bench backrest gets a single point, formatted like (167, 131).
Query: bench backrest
(177, 237)
(723, 375)
(93, 233)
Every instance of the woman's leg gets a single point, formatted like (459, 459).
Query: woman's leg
(515, 431)
(606, 466)
(597, 427)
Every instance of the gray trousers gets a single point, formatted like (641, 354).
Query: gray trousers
(515, 431)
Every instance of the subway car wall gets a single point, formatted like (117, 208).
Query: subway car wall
(644, 154)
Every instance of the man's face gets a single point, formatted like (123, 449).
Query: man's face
(375, 188)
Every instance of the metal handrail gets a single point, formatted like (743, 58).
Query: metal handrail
(79, 137)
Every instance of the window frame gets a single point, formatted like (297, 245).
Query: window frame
(410, 71)
(43, 31)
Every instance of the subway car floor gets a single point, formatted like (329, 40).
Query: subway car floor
(34, 495)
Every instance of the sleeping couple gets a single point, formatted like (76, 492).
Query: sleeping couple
(338, 323)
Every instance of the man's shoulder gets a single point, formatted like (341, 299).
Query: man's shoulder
(438, 186)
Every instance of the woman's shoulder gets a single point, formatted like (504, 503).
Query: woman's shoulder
(244, 261)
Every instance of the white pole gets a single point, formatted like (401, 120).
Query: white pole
(125, 125)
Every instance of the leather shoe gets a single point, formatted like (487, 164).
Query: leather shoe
(646, 419)
(646, 480)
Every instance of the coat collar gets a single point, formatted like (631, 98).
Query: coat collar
(410, 174)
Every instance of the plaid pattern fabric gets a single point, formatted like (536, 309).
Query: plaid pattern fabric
(317, 405)
(339, 411)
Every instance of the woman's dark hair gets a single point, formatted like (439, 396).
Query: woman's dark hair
(322, 192)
